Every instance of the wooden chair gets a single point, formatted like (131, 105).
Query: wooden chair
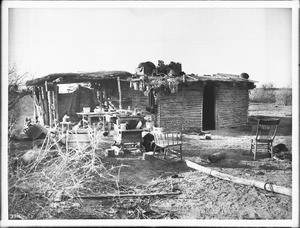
(265, 134)
(165, 140)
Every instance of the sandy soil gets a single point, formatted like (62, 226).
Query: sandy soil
(202, 196)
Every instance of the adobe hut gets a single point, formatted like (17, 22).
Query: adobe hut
(198, 102)
(181, 102)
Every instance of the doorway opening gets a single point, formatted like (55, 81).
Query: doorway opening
(208, 111)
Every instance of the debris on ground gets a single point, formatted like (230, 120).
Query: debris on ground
(205, 136)
(33, 188)
(216, 157)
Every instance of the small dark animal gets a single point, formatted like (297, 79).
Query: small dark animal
(34, 130)
(148, 142)
(280, 148)
(281, 152)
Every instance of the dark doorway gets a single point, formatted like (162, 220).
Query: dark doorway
(208, 120)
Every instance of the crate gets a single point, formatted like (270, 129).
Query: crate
(79, 140)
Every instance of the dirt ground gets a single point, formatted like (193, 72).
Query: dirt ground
(201, 196)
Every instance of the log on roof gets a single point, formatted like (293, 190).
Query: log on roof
(80, 77)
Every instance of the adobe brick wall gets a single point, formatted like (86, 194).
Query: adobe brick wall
(181, 110)
(232, 102)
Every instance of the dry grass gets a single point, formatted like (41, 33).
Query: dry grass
(71, 172)
(74, 173)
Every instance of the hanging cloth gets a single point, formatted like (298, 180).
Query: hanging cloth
(82, 97)
(151, 101)
(37, 93)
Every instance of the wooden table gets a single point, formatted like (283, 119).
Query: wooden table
(89, 115)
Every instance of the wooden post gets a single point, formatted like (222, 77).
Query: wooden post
(34, 104)
(55, 99)
(105, 96)
(41, 104)
(120, 93)
(49, 93)
(101, 97)
(45, 105)
(49, 96)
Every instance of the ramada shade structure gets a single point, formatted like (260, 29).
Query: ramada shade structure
(79, 77)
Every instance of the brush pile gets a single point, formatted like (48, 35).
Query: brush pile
(65, 183)
(59, 171)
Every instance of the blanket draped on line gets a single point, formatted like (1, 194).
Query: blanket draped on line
(82, 97)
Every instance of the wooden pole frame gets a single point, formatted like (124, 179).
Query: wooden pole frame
(55, 101)
(50, 106)
(45, 105)
(120, 93)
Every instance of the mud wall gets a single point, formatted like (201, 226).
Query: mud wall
(232, 102)
(182, 110)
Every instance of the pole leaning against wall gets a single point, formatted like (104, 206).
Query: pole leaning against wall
(120, 93)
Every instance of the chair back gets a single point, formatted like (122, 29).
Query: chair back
(158, 129)
(171, 138)
(266, 129)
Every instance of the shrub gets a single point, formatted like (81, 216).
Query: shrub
(284, 97)
(261, 95)
(16, 90)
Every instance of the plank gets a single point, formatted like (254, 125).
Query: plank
(106, 196)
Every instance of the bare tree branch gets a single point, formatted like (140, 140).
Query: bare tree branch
(15, 83)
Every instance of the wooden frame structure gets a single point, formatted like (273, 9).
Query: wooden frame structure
(46, 92)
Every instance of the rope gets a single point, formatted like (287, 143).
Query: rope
(271, 186)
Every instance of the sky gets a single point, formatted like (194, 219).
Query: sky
(204, 40)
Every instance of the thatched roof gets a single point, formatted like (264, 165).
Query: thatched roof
(79, 77)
